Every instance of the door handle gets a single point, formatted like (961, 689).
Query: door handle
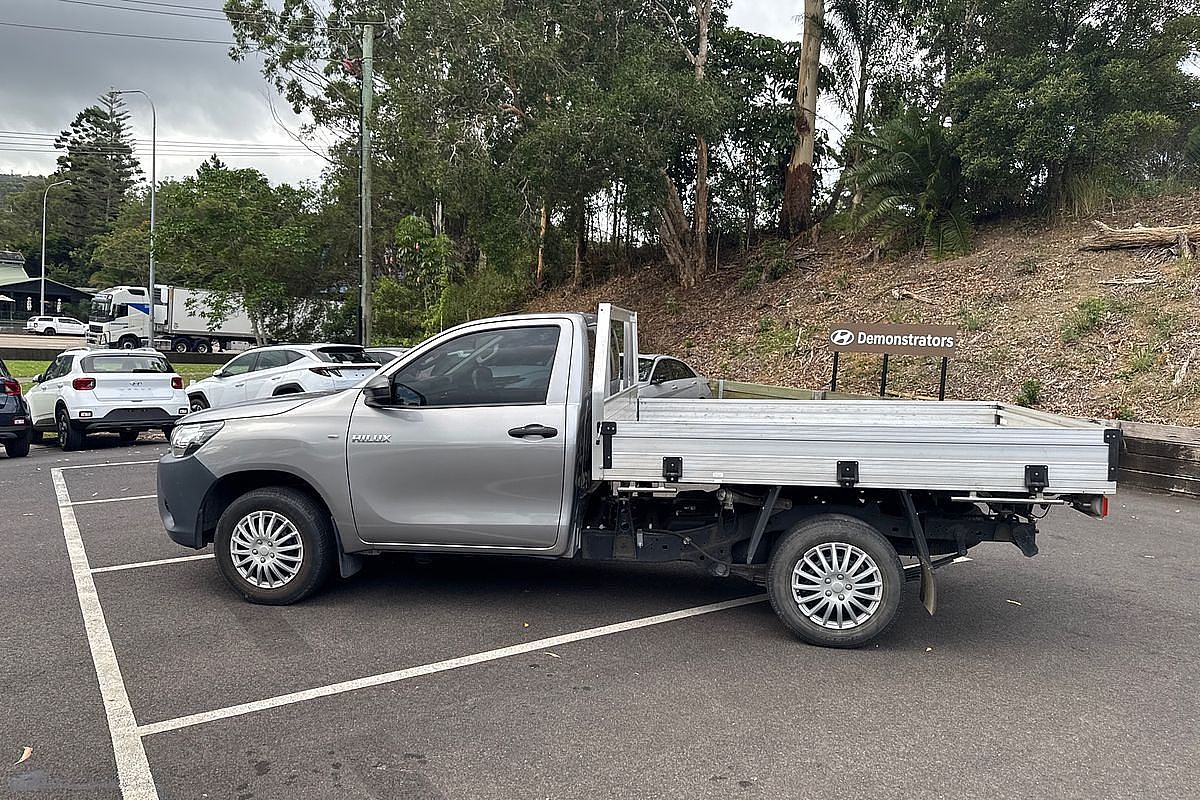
(533, 430)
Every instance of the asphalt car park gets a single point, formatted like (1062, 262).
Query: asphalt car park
(133, 671)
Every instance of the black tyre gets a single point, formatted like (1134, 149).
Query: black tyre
(835, 581)
(49, 332)
(275, 545)
(69, 437)
(36, 436)
(203, 347)
(180, 345)
(127, 437)
(129, 343)
(167, 430)
(198, 402)
(17, 448)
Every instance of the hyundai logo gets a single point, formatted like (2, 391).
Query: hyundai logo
(842, 337)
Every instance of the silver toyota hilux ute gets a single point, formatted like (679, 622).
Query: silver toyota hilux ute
(528, 436)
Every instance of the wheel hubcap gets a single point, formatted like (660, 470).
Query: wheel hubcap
(266, 548)
(837, 585)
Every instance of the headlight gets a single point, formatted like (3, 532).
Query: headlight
(187, 439)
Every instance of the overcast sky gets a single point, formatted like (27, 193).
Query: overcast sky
(201, 95)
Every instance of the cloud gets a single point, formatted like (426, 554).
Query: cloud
(200, 94)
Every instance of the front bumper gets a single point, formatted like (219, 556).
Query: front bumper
(183, 484)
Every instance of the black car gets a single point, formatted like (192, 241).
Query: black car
(16, 428)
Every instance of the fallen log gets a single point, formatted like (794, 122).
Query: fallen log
(1108, 238)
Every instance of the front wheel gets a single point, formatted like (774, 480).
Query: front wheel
(835, 581)
(49, 332)
(275, 545)
(127, 437)
(129, 343)
(198, 402)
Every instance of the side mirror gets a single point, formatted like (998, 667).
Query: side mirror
(378, 392)
(218, 373)
(658, 379)
(38, 378)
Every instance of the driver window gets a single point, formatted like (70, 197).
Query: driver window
(241, 364)
(496, 367)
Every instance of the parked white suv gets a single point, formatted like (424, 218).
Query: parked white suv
(282, 369)
(51, 326)
(121, 391)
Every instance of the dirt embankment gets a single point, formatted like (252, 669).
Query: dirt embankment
(1103, 333)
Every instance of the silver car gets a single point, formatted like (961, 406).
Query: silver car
(670, 377)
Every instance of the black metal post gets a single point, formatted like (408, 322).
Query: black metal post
(883, 376)
(833, 383)
(942, 385)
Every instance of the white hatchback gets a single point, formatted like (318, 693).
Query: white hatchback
(282, 369)
(121, 391)
(55, 326)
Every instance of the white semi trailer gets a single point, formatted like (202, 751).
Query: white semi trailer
(120, 317)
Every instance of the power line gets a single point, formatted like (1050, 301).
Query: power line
(197, 154)
(224, 16)
(114, 33)
(48, 139)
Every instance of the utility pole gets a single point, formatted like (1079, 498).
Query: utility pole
(368, 92)
(153, 187)
(45, 197)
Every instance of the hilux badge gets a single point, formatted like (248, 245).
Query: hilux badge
(371, 437)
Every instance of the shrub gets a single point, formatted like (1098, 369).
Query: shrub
(1030, 394)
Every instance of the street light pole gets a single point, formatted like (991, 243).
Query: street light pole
(153, 183)
(45, 197)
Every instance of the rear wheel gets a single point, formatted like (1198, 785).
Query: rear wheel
(17, 448)
(49, 331)
(127, 437)
(167, 430)
(69, 437)
(835, 581)
(203, 347)
(275, 545)
(180, 345)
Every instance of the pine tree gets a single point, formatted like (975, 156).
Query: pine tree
(99, 160)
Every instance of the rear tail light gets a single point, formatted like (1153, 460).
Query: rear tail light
(176, 382)
(1103, 506)
(83, 384)
(328, 372)
(8, 386)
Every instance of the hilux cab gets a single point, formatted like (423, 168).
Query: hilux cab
(528, 436)
(15, 426)
(90, 390)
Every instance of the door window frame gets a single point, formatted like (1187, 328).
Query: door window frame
(560, 368)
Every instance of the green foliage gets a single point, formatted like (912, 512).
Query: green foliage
(1087, 317)
(1142, 361)
(1126, 414)
(972, 319)
(911, 185)
(1030, 394)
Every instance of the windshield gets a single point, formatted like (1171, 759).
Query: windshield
(101, 310)
(344, 355)
(101, 364)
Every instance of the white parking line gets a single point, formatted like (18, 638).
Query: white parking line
(133, 770)
(140, 564)
(114, 499)
(108, 464)
(438, 666)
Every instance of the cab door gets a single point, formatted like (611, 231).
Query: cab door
(465, 445)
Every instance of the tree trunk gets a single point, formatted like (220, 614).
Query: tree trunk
(700, 218)
(541, 254)
(1107, 238)
(798, 185)
(676, 234)
(580, 243)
